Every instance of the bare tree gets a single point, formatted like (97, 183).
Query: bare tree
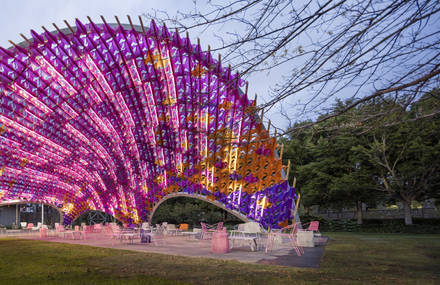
(355, 50)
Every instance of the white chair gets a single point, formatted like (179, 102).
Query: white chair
(23, 225)
(159, 229)
(145, 226)
(250, 232)
(37, 227)
(171, 229)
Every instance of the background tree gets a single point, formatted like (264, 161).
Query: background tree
(191, 211)
(342, 162)
(329, 173)
(407, 157)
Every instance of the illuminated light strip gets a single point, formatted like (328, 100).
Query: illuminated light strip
(206, 148)
(116, 98)
(77, 133)
(128, 167)
(84, 66)
(71, 173)
(102, 152)
(30, 98)
(256, 195)
(94, 95)
(68, 110)
(98, 179)
(34, 159)
(83, 162)
(119, 152)
(83, 150)
(115, 135)
(140, 89)
(134, 146)
(240, 126)
(239, 197)
(184, 133)
(135, 78)
(98, 200)
(145, 170)
(263, 206)
(151, 102)
(78, 192)
(33, 134)
(122, 198)
(84, 174)
(98, 74)
(31, 119)
(125, 112)
(98, 121)
(42, 73)
(175, 116)
(9, 170)
(9, 144)
(33, 176)
(67, 87)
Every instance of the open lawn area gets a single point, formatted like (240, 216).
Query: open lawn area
(349, 259)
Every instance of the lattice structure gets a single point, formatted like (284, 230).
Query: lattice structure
(114, 118)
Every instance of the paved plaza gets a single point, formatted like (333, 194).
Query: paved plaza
(191, 247)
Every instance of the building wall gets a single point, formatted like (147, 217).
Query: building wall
(7, 215)
(30, 213)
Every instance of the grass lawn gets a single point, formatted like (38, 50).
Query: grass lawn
(349, 259)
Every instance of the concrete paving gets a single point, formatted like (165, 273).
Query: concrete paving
(282, 254)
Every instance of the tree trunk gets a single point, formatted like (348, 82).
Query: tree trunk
(359, 212)
(407, 209)
(306, 210)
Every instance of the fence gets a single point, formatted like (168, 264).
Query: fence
(426, 213)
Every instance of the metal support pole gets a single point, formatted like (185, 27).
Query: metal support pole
(16, 214)
(296, 207)
(42, 214)
(61, 218)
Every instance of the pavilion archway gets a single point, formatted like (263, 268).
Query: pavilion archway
(92, 217)
(201, 198)
(115, 117)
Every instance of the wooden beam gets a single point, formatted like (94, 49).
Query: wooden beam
(281, 151)
(296, 208)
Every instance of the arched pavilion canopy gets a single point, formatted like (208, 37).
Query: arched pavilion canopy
(115, 118)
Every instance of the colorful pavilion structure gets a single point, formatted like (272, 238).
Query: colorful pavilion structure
(116, 118)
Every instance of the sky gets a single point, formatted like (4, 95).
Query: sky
(20, 16)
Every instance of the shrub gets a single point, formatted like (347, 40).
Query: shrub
(422, 226)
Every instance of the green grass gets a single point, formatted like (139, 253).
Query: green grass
(349, 259)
